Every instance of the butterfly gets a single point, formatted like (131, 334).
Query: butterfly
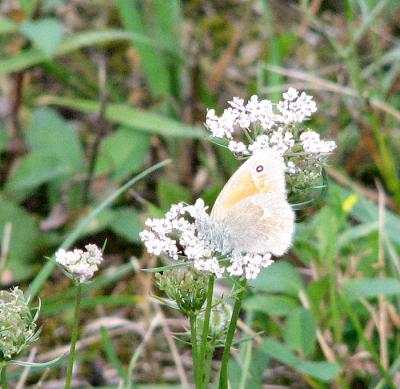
(253, 208)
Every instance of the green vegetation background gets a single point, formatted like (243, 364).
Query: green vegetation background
(94, 92)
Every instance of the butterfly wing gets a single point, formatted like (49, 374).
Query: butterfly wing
(260, 224)
(247, 182)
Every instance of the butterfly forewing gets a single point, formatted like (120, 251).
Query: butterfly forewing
(253, 207)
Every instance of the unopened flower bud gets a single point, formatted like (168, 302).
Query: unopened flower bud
(17, 327)
(187, 287)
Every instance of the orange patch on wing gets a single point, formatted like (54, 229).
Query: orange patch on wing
(244, 187)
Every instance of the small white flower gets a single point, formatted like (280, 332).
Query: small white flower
(313, 144)
(238, 148)
(81, 264)
(291, 168)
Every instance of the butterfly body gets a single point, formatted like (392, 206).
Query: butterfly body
(253, 207)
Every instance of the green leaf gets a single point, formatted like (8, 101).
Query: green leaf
(46, 34)
(323, 371)
(4, 138)
(34, 170)
(281, 277)
(327, 232)
(122, 153)
(127, 223)
(32, 57)
(153, 62)
(7, 25)
(49, 134)
(169, 193)
(131, 117)
(28, 6)
(371, 287)
(317, 291)
(271, 305)
(24, 238)
(358, 232)
(366, 211)
(300, 331)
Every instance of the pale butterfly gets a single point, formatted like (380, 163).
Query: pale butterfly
(252, 208)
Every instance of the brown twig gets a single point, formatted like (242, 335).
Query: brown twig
(382, 328)
(16, 105)
(5, 247)
(100, 126)
(25, 373)
(216, 76)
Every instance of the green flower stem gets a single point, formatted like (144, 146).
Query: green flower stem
(74, 336)
(195, 351)
(208, 366)
(223, 377)
(206, 327)
(3, 377)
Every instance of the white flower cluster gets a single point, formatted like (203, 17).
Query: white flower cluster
(273, 126)
(200, 240)
(313, 144)
(80, 264)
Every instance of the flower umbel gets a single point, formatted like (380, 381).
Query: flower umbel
(17, 325)
(188, 233)
(79, 263)
(255, 125)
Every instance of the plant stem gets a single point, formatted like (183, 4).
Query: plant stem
(74, 336)
(195, 351)
(208, 366)
(3, 377)
(206, 327)
(223, 378)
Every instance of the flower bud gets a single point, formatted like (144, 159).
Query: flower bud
(17, 327)
(187, 287)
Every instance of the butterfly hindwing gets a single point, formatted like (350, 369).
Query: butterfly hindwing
(263, 223)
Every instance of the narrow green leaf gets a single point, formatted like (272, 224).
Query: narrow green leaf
(111, 354)
(323, 371)
(371, 287)
(270, 304)
(152, 61)
(129, 116)
(32, 57)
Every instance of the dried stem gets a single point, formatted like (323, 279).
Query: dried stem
(100, 126)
